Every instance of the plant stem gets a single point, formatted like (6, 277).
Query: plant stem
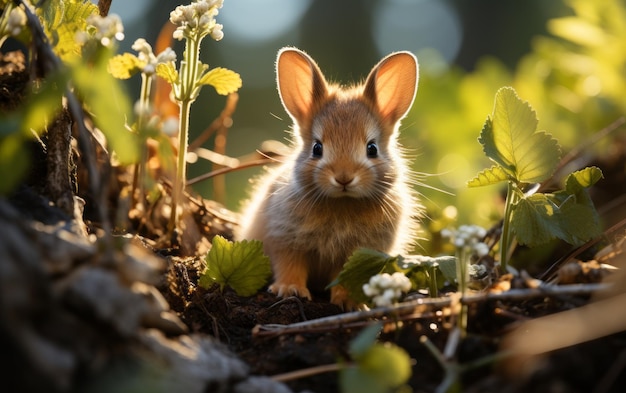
(181, 167)
(462, 260)
(188, 93)
(139, 178)
(507, 238)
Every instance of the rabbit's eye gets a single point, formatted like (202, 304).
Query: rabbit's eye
(318, 149)
(372, 149)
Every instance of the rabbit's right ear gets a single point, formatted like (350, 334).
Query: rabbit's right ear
(301, 85)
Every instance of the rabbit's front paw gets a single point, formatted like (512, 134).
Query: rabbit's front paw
(285, 289)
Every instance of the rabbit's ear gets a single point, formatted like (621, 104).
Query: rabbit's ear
(391, 86)
(301, 85)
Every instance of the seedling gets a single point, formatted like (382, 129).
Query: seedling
(524, 157)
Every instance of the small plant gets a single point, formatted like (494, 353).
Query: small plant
(193, 23)
(377, 368)
(524, 157)
(239, 265)
(365, 264)
(468, 245)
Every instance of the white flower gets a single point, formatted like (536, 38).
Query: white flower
(197, 20)
(106, 29)
(481, 249)
(217, 33)
(166, 56)
(386, 289)
(142, 46)
(16, 20)
(468, 238)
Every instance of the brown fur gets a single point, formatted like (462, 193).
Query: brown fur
(312, 212)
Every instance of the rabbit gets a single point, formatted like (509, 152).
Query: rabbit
(346, 185)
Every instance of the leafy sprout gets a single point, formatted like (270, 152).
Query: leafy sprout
(522, 156)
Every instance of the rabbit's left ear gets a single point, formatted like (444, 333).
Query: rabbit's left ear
(301, 85)
(392, 84)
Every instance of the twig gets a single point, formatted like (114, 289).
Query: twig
(222, 171)
(308, 372)
(103, 7)
(420, 306)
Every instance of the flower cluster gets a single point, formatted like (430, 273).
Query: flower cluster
(386, 289)
(197, 20)
(147, 57)
(103, 29)
(468, 238)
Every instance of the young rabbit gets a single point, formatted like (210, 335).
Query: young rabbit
(346, 185)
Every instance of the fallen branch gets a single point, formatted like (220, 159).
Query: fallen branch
(420, 308)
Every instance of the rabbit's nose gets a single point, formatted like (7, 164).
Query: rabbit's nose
(344, 180)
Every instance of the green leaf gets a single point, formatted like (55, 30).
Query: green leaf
(579, 221)
(582, 179)
(414, 263)
(535, 220)
(168, 72)
(379, 367)
(124, 66)
(361, 266)
(240, 265)
(224, 80)
(510, 139)
(489, 176)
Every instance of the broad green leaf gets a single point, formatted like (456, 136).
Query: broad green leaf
(510, 139)
(124, 66)
(224, 80)
(240, 265)
(361, 266)
(582, 179)
(579, 222)
(489, 176)
(447, 266)
(168, 72)
(535, 220)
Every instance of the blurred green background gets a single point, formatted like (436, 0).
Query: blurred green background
(567, 58)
